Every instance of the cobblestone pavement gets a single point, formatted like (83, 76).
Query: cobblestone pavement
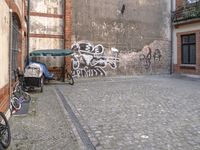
(45, 127)
(138, 113)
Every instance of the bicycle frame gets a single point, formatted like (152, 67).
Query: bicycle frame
(5, 135)
(2, 129)
(19, 96)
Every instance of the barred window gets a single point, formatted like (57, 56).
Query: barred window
(15, 35)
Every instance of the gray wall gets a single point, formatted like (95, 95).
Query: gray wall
(141, 35)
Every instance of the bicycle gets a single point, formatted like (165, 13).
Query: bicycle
(5, 135)
(20, 89)
(19, 95)
(68, 76)
(18, 92)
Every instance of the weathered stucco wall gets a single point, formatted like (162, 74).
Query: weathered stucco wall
(44, 25)
(46, 28)
(134, 36)
(47, 6)
(45, 43)
(4, 42)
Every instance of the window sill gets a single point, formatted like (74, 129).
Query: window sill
(189, 66)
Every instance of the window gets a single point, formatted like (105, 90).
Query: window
(15, 42)
(192, 1)
(188, 43)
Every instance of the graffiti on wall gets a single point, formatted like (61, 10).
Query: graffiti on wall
(146, 57)
(90, 60)
(157, 55)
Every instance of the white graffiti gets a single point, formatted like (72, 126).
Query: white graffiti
(90, 60)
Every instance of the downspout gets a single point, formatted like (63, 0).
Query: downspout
(65, 39)
(171, 36)
(10, 55)
(28, 31)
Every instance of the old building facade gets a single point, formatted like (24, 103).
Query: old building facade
(186, 37)
(122, 37)
(12, 41)
(115, 37)
(50, 28)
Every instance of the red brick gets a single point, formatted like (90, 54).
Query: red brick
(178, 68)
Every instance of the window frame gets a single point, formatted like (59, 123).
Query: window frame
(15, 46)
(191, 2)
(188, 44)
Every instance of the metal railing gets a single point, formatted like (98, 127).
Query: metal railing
(190, 11)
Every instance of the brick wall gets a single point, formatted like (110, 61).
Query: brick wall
(4, 98)
(68, 31)
(68, 24)
(179, 3)
(57, 34)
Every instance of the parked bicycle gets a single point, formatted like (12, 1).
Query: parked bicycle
(19, 96)
(5, 135)
(69, 78)
(18, 92)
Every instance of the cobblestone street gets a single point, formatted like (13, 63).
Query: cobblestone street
(124, 113)
(45, 127)
(100, 75)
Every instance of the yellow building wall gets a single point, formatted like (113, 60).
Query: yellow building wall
(4, 44)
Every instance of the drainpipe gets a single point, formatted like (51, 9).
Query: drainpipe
(28, 31)
(10, 55)
(171, 34)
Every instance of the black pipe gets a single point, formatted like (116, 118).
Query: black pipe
(28, 30)
(10, 55)
(171, 36)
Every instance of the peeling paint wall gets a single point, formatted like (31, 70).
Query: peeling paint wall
(44, 25)
(4, 42)
(47, 6)
(140, 30)
(46, 28)
(45, 43)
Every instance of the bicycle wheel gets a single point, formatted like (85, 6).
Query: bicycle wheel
(42, 84)
(26, 96)
(16, 105)
(70, 79)
(17, 91)
(5, 136)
